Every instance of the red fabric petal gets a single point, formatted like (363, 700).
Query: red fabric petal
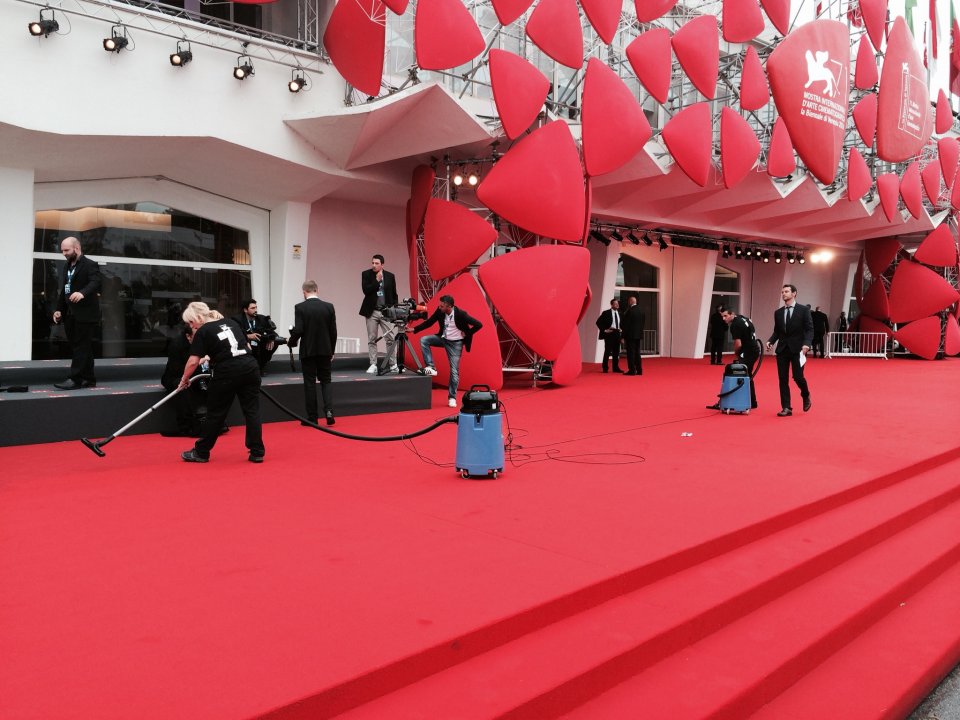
(888, 186)
(742, 20)
(951, 343)
(780, 158)
(587, 215)
(453, 237)
(445, 35)
(900, 138)
(930, 175)
(739, 147)
(355, 40)
(614, 125)
(754, 92)
(858, 176)
(398, 7)
(949, 152)
(538, 184)
(910, 189)
(944, 119)
(824, 45)
(874, 14)
(519, 91)
(866, 75)
(482, 365)
(917, 291)
(509, 10)
(604, 15)
(865, 118)
(650, 10)
(875, 302)
(588, 296)
(879, 253)
(938, 248)
(525, 295)
(697, 46)
(567, 366)
(779, 13)
(554, 26)
(421, 188)
(868, 324)
(921, 337)
(688, 136)
(650, 57)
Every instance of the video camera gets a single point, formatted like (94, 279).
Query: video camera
(404, 311)
(271, 334)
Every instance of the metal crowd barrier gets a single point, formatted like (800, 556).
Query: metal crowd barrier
(857, 344)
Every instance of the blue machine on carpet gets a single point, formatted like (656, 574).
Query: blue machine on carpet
(480, 434)
(735, 389)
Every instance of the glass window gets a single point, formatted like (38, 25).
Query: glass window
(638, 279)
(726, 292)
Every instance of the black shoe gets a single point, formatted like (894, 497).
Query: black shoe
(604, 370)
(807, 405)
(330, 419)
(88, 383)
(309, 422)
(786, 412)
(191, 456)
(630, 372)
(68, 385)
(255, 458)
(617, 370)
(715, 406)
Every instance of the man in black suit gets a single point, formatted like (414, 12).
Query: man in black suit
(315, 321)
(609, 325)
(746, 347)
(793, 335)
(457, 328)
(717, 329)
(260, 331)
(79, 308)
(379, 291)
(821, 326)
(633, 325)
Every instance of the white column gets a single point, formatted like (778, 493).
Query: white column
(289, 230)
(16, 270)
(692, 291)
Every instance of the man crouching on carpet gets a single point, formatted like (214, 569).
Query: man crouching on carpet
(235, 374)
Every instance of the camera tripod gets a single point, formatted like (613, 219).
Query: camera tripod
(402, 343)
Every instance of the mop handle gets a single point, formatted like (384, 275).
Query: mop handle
(142, 415)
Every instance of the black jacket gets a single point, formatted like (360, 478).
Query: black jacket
(792, 336)
(86, 279)
(369, 285)
(315, 321)
(605, 321)
(632, 323)
(466, 323)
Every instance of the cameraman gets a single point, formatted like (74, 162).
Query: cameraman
(261, 333)
(379, 291)
(457, 329)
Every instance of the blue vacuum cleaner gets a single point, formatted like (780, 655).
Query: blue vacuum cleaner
(480, 434)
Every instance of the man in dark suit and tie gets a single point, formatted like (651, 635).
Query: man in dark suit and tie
(609, 325)
(79, 308)
(793, 335)
(315, 321)
(633, 325)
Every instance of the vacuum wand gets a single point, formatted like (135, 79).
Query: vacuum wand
(96, 446)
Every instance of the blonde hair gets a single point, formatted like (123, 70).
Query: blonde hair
(200, 312)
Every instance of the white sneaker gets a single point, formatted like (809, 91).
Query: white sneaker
(429, 370)
(372, 370)
(394, 368)
(452, 402)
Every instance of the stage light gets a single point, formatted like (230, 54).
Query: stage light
(118, 39)
(244, 68)
(647, 240)
(777, 258)
(766, 256)
(663, 243)
(749, 252)
(458, 178)
(183, 55)
(44, 26)
(791, 258)
(472, 179)
(614, 235)
(599, 237)
(298, 80)
(727, 252)
(800, 259)
(633, 238)
(739, 253)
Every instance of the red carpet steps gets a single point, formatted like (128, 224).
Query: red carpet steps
(805, 612)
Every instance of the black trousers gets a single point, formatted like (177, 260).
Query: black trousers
(80, 335)
(611, 349)
(716, 350)
(750, 360)
(242, 383)
(316, 367)
(185, 404)
(818, 343)
(634, 361)
(787, 362)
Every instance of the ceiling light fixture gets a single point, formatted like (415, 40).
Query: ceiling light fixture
(244, 68)
(118, 39)
(183, 55)
(44, 26)
(298, 80)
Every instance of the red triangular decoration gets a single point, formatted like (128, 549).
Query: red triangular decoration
(355, 40)
(779, 13)
(697, 46)
(453, 237)
(879, 253)
(858, 176)
(938, 248)
(754, 92)
(739, 147)
(554, 26)
(688, 136)
(949, 152)
(875, 302)
(917, 291)
(650, 57)
(519, 91)
(445, 35)
(910, 189)
(615, 127)
(874, 14)
(604, 15)
(951, 343)
(650, 10)
(865, 118)
(866, 75)
(567, 366)
(930, 175)
(921, 337)
(509, 10)
(780, 158)
(944, 119)
(742, 20)
(421, 188)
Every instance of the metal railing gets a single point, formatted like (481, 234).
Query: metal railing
(857, 344)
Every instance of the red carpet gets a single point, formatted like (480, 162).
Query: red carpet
(639, 547)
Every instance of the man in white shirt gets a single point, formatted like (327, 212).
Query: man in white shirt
(609, 325)
(457, 328)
